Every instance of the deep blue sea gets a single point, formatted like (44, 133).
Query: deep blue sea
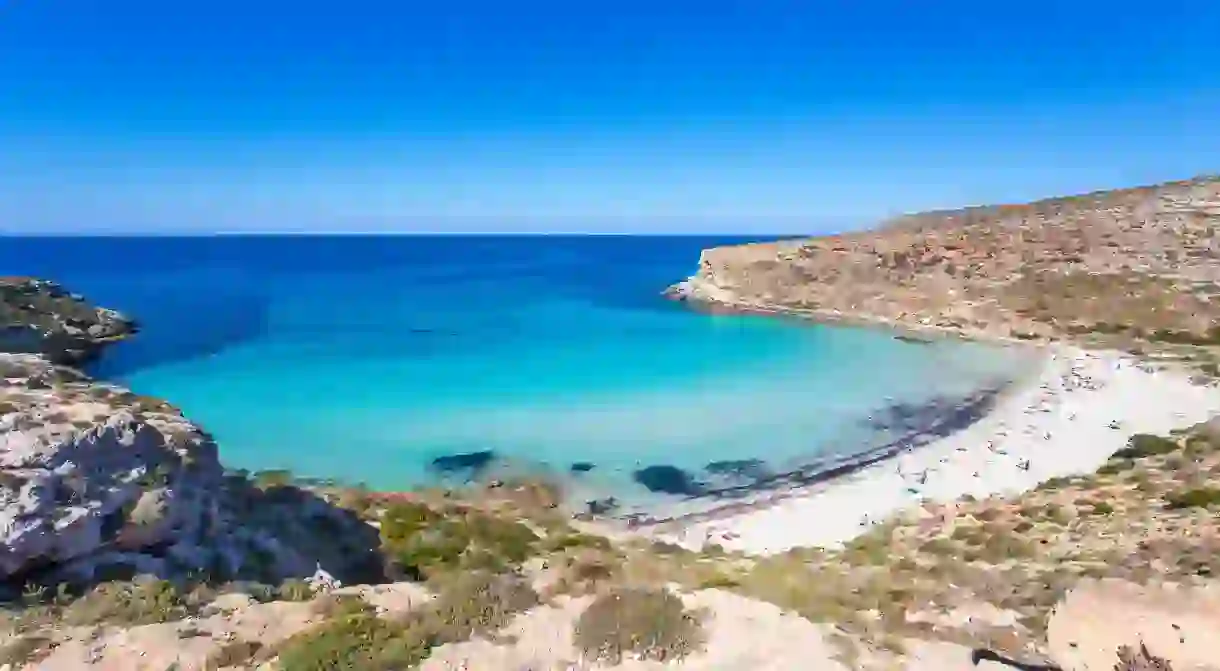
(365, 358)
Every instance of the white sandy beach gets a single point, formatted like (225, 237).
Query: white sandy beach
(1067, 420)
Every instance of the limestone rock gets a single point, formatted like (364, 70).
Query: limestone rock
(95, 479)
(1098, 618)
(41, 317)
(66, 497)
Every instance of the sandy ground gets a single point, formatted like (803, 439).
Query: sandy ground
(741, 635)
(1069, 419)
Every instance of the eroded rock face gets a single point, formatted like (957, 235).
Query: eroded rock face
(121, 485)
(37, 316)
(98, 481)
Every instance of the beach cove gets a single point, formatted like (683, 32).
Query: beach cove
(1088, 454)
(438, 360)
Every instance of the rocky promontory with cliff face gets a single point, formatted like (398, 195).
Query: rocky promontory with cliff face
(42, 317)
(98, 481)
(1141, 263)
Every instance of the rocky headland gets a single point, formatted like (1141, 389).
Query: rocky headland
(98, 481)
(1141, 262)
(42, 317)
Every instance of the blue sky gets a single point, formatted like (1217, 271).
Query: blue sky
(661, 116)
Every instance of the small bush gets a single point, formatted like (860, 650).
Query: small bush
(23, 650)
(719, 581)
(273, 478)
(564, 541)
(423, 541)
(129, 603)
(295, 590)
(645, 624)
(1115, 466)
(355, 643)
(1201, 497)
(1054, 483)
(237, 653)
(332, 606)
(477, 603)
(1145, 445)
(586, 573)
(358, 640)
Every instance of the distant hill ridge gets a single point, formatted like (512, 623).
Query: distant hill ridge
(1138, 263)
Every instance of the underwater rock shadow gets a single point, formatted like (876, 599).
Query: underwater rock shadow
(957, 414)
(468, 465)
(669, 479)
(183, 332)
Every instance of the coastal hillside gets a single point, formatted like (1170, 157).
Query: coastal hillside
(1140, 263)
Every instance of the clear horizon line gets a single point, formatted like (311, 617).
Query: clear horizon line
(277, 233)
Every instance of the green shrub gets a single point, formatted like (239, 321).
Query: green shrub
(423, 541)
(355, 643)
(477, 603)
(642, 623)
(1145, 445)
(356, 639)
(138, 602)
(23, 649)
(1201, 497)
(1102, 508)
(237, 653)
(563, 541)
(295, 590)
(273, 478)
(1115, 466)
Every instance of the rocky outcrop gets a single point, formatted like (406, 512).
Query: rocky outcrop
(1173, 624)
(1144, 262)
(41, 317)
(96, 480)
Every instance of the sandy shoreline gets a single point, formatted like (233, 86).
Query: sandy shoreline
(1058, 422)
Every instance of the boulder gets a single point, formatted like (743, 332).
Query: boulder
(64, 497)
(1098, 618)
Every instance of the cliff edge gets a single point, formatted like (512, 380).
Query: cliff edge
(42, 317)
(1141, 262)
(96, 480)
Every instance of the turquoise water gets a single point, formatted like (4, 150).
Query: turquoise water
(363, 359)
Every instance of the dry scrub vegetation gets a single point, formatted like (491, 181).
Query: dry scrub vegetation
(1149, 515)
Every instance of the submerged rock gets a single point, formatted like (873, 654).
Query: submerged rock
(581, 467)
(752, 469)
(469, 463)
(602, 506)
(667, 479)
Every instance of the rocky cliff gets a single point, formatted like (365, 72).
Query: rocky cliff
(96, 480)
(42, 317)
(1143, 262)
